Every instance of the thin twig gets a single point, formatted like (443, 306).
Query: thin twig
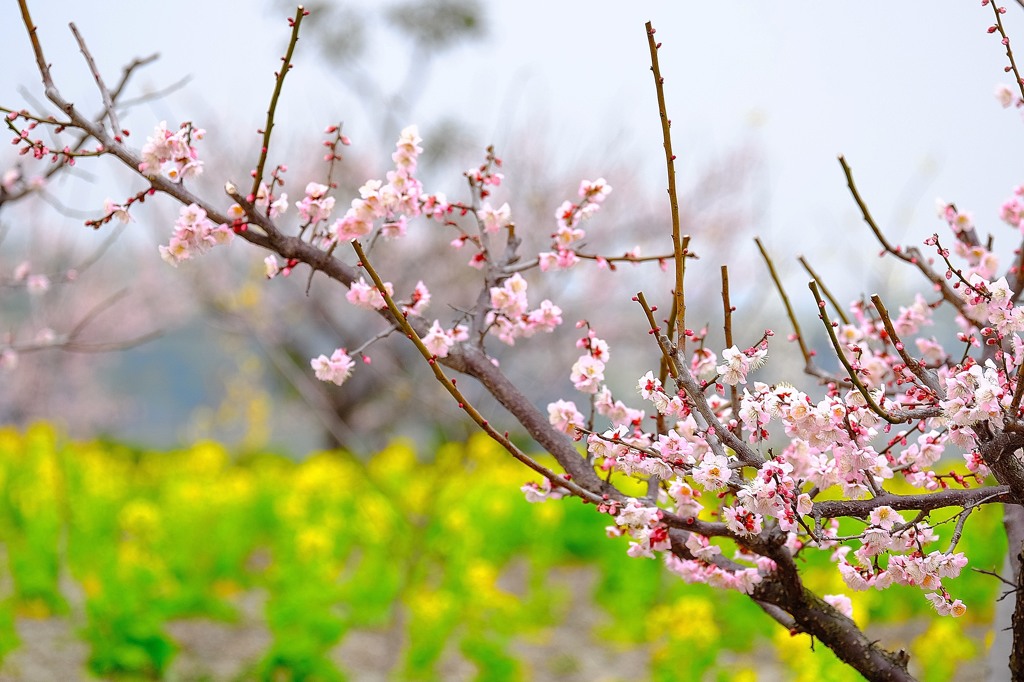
(1017, 393)
(286, 66)
(927, 377)
(1009, 53)
(850, 371)
(464, 404)
(663, 343)
(808, 361)
(993, 573)
(37, 48)
(108, 101)
(734, 394)
(824, 289)
(679, 307)
(911, 255)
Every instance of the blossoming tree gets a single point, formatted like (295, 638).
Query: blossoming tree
(740, 477)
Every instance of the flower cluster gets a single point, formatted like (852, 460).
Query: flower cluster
(739, 363)
(510, 317)
(316, 205)
(745, 464)
(907, 563)
(832, 442)
(568, 218)
(588, 373)
(393, 202)
(194, 233)
(171, 154)
(439, 340)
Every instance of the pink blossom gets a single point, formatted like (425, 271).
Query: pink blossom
(8, 359)
(933, 354)
(945, 606)
(689, 570)
(912, 318)
(636, 515)
(194, 234)
(604, 446)
(587, 374)
(438, 341)
(316, 205)
(563, 415)
(545, 318)
(566, 237)
(419, 300)
(876, 541)
(335, 369)
(841, 603)
(117, 211)
(701, 548)
(493, 219)
(562, 259)
(37, 284)
(616, 411)
(172, 154)
(854, 577)
(742, 521)
(738, 363)
(542, 492)
(703, 365)
(394, 229)
(510, 298)
(10, 178)
(1012, 210)
(271, 266)
(594, 190)
(366, 296)
(976, 464)
(713, 472)
(685, 499)
(407, 149)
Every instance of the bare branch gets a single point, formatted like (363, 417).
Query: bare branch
(679, 305)
(108, 101)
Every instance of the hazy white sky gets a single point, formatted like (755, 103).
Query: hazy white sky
(904, 90)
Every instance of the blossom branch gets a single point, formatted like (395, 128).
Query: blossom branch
(743, 451)
(1005, 39)
(718, 434)
(894, 417)
(449, 385)
(625, 258)
(727, 309)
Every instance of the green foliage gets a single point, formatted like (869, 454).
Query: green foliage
(447, 555)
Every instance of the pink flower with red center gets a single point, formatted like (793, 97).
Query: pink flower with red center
(713, 472)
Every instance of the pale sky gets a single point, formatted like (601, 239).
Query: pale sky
(904, 91)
